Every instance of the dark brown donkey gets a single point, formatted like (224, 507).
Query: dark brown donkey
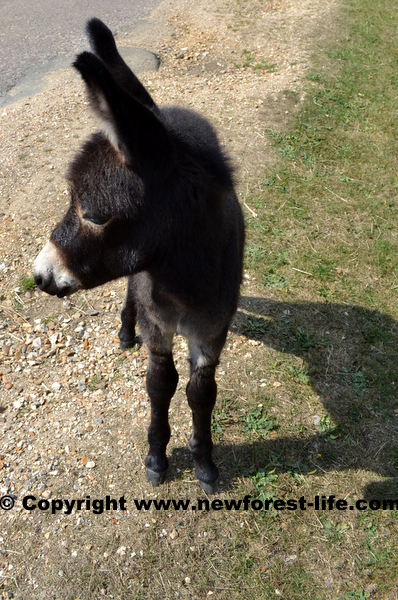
(152, 198)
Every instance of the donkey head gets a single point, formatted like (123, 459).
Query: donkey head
(115, 180)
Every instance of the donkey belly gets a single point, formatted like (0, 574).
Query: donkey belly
(172, 315)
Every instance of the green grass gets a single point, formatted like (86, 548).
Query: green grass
(334, 192)
(28, 284)
(262, 65)
(259, 422)
(94, 382)
(324, 249)
(256, 326)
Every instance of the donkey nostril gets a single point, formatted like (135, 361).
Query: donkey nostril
(38, 280)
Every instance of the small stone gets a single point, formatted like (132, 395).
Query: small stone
(84, 460)
(53, 338)
(187, 580)
(56, 386)
(6, 350)
(291, 558)
(90, 464)
(8, 385)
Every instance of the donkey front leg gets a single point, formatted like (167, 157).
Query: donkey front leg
(161, 383)
(202, 393)
(127, 337)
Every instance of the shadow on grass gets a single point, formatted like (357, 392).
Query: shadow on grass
(351, 355)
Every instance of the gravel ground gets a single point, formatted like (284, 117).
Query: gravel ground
(65, 387)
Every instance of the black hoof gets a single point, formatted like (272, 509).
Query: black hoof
(126, 344)
(209, 488)
(208, 477)
(155, 478)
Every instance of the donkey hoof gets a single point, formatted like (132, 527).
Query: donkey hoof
(207, 476)
(125, 344)
(155, 478)
(209, 487)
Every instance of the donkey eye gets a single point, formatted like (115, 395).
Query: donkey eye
(97, 219)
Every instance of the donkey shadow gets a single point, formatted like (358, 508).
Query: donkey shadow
(351, 358)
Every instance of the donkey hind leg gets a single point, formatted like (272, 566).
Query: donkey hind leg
(127, 338)
(201, 393)
(161, 383)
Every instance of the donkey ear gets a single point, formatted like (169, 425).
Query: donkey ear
(103, 45)
(131, 126)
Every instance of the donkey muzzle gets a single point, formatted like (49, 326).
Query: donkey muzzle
(51, 275)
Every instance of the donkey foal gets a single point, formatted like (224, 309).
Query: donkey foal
(152, 198)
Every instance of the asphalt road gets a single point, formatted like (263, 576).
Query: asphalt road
(36, 32)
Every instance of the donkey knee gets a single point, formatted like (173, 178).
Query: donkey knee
(161, 379)
(202, 391)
